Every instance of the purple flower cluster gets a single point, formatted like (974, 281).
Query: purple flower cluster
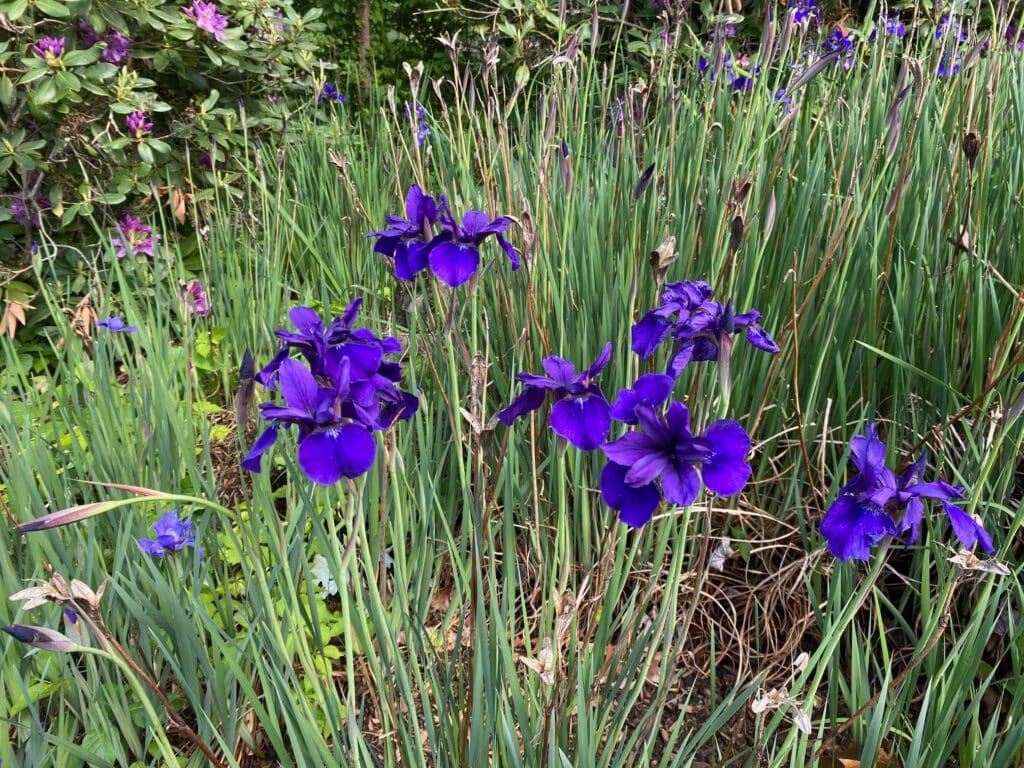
(193, 296)
(1014, 38)
(804, 12)
(207, 19)
(738, 72)
(701, 328)
(135, 237)
(949, 65)
(844, 42)
(28, 210)
(953, 26)
(876, 503)
(172, 535)
(138, 125)
(115, 46)
(50, 49)
(342, 392)
(661, 458)
(892, 25)
(453, 254)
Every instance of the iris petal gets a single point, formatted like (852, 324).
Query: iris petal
(851, 527)
(583, 421)
(635, 505)
(680, 483)
(328, 456)
(967, 529)
(529, 400)
(265, 441)
(454, 263)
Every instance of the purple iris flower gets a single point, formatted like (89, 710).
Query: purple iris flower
(206, 18)
(330, 92)
(116, 324)
(803, 10)
(455, 253)
(1014, 40)
(581, 413)
(664, 448)
(135, 237)
(138, 125)
(50, 49)
(407, 241)
(702, 328)
(343, 392)
(172, 535)
(866, 508)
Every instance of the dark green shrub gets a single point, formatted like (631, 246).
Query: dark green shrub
(107, 101)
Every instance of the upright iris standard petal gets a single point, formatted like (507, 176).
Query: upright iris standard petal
(337, 452)
(868, 452)
(651, 389)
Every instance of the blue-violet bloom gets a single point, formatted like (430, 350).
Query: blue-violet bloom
(581, 413)
(664, 448)
(455, 253)
(115, 324)
(172, 535)
(330, 92)
(702, 328)
(867, 506)
(343, 392)
(407, 241)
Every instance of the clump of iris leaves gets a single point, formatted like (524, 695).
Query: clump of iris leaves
(481, 464)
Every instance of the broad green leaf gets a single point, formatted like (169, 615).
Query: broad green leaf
(45, 93)
(14, 10)
(82, 56)
(6, 91)
(53, 8)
